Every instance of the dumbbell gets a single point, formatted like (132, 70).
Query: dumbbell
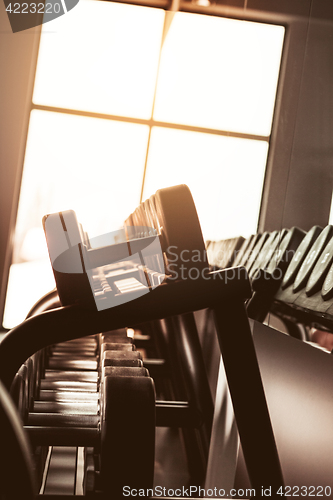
(327, 289)
(84, 274)
(268, 272)
(265, 254)
(255, 250)
(223, 253)
(312, 258)
(247, 250)
(172, 213)
(241, 251)
(285, 251)
(300, 255)
(312, 296)
(303, 263)
(317, 277)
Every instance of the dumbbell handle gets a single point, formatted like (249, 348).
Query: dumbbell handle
(64, 436)
(61, 420)
(84, 430)
(103, 256)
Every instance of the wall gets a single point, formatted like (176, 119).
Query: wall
(18, 54)
(300, 172)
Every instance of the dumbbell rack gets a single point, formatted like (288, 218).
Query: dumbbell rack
(219, 291)
(94, 302)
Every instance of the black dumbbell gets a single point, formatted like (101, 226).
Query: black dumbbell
(78, 267)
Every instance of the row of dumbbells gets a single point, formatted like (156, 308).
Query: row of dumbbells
(291, 272)
(94, 393)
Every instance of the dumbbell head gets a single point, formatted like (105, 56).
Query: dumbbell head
(125, 371)
(67, 254)
(265, 253)
(318, 275)
(77, 267)
(121, 358)
(285, 251)
(174, 217)
(128, 434)
(327, 289)
(299, 256)
(311, 259)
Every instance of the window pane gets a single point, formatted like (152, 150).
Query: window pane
(225, 176)
(27, 283)
(92, 166)
(219, 73)
(100, 57)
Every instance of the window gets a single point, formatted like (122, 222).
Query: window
(224, 174)
(130, 99)
(101, 57)
(219, 74)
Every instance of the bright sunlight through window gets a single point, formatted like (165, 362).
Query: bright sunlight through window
(219, 73)
(214, 168)
(100, 57)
